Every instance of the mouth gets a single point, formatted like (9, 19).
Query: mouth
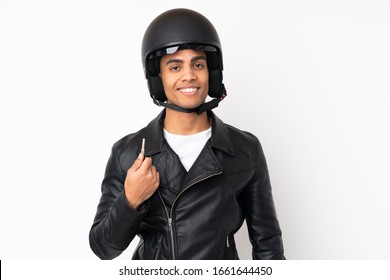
(188, 91)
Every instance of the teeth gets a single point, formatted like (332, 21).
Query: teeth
(188, 90)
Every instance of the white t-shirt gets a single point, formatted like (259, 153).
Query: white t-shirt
(188, 147)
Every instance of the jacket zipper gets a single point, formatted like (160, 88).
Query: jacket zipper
(169, 214)
(170, 229)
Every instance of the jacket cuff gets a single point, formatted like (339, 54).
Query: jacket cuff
(128, 210)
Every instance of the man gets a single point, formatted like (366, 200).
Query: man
(196, 180)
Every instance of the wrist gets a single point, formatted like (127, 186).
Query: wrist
(131, 202)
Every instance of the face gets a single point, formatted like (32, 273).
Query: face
(185, 78)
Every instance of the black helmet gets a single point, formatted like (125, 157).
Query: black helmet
(182, 29)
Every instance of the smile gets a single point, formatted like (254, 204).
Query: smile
(188, 91)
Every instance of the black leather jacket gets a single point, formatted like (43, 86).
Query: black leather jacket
(194, 214)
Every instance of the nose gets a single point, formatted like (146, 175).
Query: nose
(188, 74)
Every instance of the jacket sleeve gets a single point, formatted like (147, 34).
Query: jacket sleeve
(263, 226)
(116, 223)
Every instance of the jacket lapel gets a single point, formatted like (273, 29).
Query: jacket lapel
(173, 175)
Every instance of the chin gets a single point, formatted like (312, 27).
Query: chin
(191, 106)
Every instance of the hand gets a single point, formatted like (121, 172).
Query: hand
(142, 180)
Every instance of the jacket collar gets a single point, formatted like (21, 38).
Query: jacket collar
(153, 133)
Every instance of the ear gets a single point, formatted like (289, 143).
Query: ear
(156, 88)
(153, 66)
(215, 83)
(213, 60)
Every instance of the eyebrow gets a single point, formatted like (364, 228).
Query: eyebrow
(195, 58)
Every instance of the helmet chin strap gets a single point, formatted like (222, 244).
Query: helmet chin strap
(199, 110)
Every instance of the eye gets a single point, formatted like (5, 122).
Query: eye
(175, 68)
(198, 65)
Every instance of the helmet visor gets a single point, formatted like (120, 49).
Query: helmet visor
(173, 49)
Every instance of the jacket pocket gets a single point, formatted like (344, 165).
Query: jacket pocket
(158, 247)
(230, 248)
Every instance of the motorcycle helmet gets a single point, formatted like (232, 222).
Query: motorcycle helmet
(175, 30)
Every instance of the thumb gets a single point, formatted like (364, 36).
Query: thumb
(137, 163)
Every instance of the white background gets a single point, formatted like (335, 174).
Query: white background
(309, 78)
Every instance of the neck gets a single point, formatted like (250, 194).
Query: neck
(185, 123)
